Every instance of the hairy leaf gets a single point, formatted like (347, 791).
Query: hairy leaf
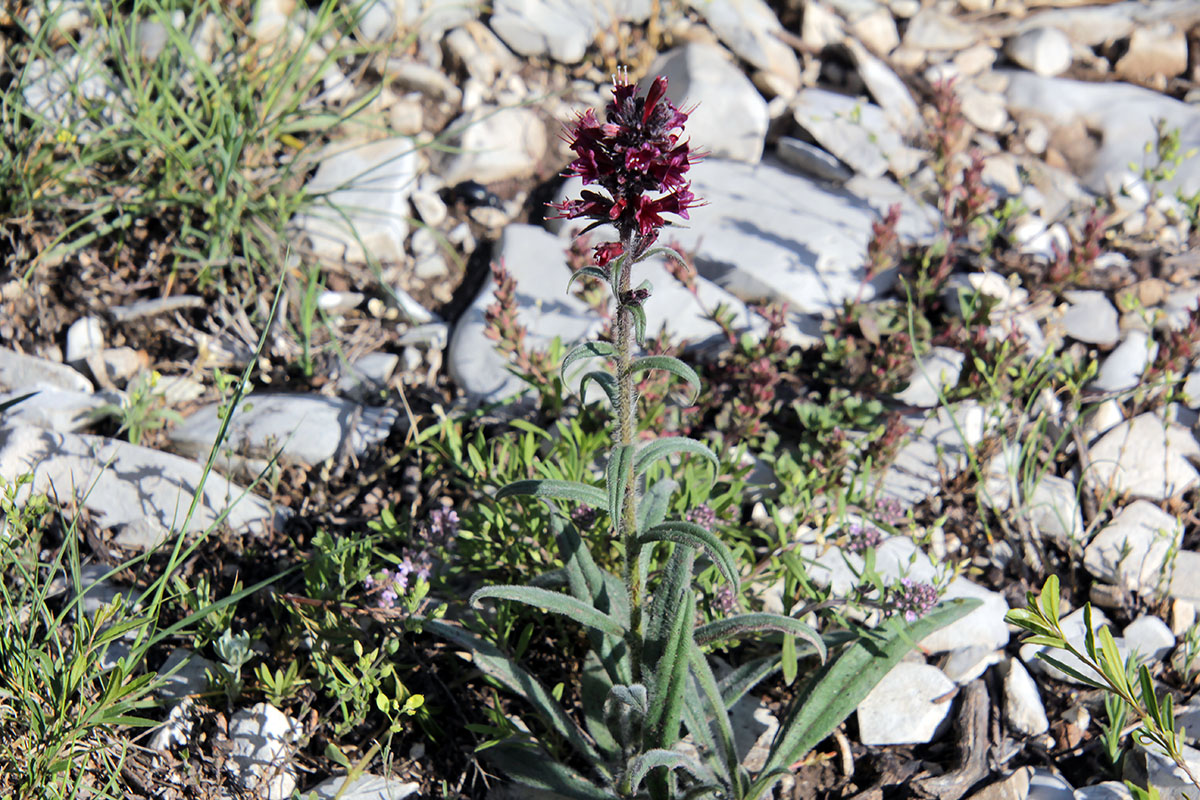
(538, 769)
(656, 758)
(586, 350)
(555, 602)
(672, 365)
(668, 643)
(545, 489)
(619, 462)
(662, 448)
(587, 272)
(653, 507)
(741, 624)
(691, 534)
(604, 380)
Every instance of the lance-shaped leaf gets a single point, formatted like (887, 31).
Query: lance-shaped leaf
(538, 769)
(672, 365)
(717, 711)
(546, 489)
(555, 602)
(743, 678)
(12, 401)
(836, 689)
(655, 503)
(604, 380)
(667, 643)
(587, 272)
(665, 251)
(594, 686)
(639, 323)
(742, 624)
(586, 350)
(691, 534)
(659, 758)
(1074, 673)
(619, 463)
(493, 663)
(662, 448)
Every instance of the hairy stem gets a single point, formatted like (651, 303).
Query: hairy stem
(626, 425)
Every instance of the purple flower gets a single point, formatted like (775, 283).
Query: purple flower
(724, 600)
(443, 526)
(703, 516)
(862, 538)
(584, 516)
(888, 510)
(635, 151)
(912, 598)
(387, 598)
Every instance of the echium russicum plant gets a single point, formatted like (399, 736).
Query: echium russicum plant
(647, 682)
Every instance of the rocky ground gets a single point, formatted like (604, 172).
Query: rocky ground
(1040, 151)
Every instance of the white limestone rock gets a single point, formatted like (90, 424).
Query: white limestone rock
(364, 787)
(1144, 457)
(1090, 317)
(496, 144)
(751, 30)
(1150, 637)
(1023, 707)
(906, 707)
(934, 374)
(984, 627)
(730, 117)
(363, 201)
(1043, 51)
(1132, 550)
(857, 132)
(262, 740)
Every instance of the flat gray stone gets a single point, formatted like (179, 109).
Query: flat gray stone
(1046, 785)
(811, 160)
(1150, 637)
(304, 428)
(1123, 116)
(934, 374)
(20, 373)
(965, 664)
(559, 29)
(890, 92)
(1165, 775)
(262, 739)
(730, 117)
(1144, 457)
(857, 132)
(123, 485)
(751, 30)
(1023, 707)
(364, 787)
(904, 707)
(1122, 369)
(1107, 790)
(939, 443)
(1090, 317)
(57, 409)
(1132, 550)
(362, 206)
(190, 676)
(1043, 51)
(1185, 577)
(496, 144)
(933, 30)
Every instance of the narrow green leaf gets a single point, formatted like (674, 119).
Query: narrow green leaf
(587, 272)
(662, 448)
(555, 602)
(653, 507)
(618, 479)
(594, 686)
(493, 663)
(669, 693)
(604, 380)
(717, 711)
(745, 677)
(1149, 698)
(837, 688)
(556, 490)
(585, 350)
(1050, 641)
(659, 758)
(639, 323)
(672, 365)
(1074, 673)
(12, 401)
(538, 769)
(741, 624)
(1089, 633)
(1111, 662)
(665, 251)
(765, 782)
(691, 534)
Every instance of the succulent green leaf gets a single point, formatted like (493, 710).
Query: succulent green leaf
(837, 688)
(672, 365)
(537, 768)
(586, 350)
(742, 624)
(545, 489)
(555, 602)
(604, 380)
(692, 535)
(656, 758)
(587, 272)
(662, 448)
(493, 663)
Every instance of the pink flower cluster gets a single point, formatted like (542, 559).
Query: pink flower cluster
(912, 598)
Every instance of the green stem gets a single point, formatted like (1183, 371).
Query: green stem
(626, 426)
